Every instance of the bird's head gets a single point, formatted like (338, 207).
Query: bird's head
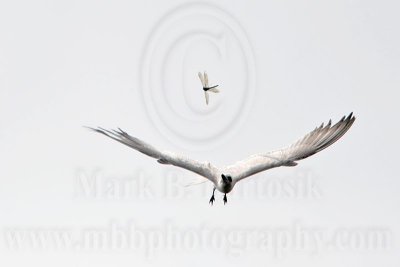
(227, 179)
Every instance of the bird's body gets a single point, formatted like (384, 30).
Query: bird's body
(225, 178)
(225, 187)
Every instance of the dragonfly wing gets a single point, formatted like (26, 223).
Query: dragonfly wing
(201, 79)
(205, 79)
(206, 94)
(214, 90)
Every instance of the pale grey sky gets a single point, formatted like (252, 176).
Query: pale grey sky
(283, 67)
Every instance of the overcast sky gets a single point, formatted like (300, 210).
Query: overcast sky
(70, 197)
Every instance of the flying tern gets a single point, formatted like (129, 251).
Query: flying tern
(206, 87)
(225, 178)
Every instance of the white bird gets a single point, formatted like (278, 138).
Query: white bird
(206, 87)
(225, 178)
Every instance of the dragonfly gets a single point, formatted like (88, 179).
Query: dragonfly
(206, 87)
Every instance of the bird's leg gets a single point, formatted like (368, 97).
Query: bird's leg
(225, 199)
(212, 199)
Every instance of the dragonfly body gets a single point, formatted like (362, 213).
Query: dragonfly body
(208, 88)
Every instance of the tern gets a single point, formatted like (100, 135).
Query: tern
(225, 178)
(206, 87)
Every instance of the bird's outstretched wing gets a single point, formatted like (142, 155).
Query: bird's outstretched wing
(204, 169)
(315, 141)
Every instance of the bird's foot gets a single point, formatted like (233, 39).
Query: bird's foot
(212, 199)
(225, 199)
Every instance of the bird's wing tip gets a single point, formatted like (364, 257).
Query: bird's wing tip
(95, 129)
